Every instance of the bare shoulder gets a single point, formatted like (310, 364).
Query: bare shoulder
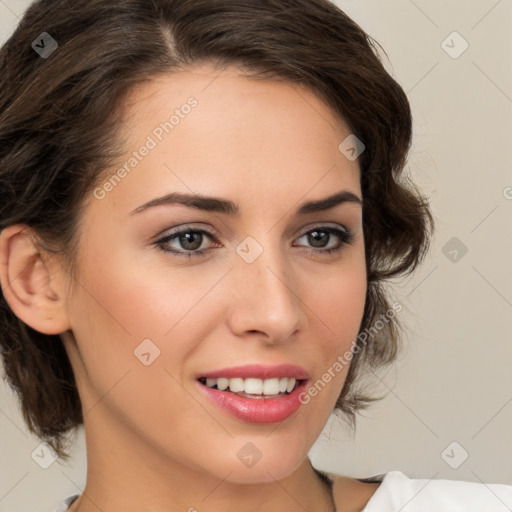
(351, 495)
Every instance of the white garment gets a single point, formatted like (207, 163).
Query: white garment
(398, 493)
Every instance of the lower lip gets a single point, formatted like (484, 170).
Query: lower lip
(256, 410)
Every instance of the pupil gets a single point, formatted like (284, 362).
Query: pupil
(186, 238)
(315, 239)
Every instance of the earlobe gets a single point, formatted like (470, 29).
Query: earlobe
(26, 282)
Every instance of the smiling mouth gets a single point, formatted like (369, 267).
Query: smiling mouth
(253, 388)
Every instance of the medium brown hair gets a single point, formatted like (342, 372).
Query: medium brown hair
(58, 129)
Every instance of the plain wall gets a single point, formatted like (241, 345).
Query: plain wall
(454, 380)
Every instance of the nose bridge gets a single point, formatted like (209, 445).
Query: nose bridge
(268, 289)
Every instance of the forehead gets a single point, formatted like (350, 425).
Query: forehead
(219, 133)
(228, 83)
(226, 99)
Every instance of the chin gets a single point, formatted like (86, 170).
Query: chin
(253, 462)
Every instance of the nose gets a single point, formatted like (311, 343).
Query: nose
(266, 300)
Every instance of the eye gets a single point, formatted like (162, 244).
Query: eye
(321, 235)
(191, 240)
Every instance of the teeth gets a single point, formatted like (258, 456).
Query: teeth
(268, 386)
(211, 382)
(253, 386)
(222, 383)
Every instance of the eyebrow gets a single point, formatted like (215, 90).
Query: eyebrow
(227, 207)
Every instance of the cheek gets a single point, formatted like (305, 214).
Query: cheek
(337, 306)
(341, 299)
(338, 296)
(144, 301)
(120, 315)
(123, 302)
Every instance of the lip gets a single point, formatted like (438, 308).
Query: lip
(256, 410)
(259, 371)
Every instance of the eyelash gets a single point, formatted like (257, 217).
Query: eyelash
(345, 236)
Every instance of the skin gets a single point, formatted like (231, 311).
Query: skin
(154, 442)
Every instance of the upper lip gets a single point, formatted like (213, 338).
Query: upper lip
(258, 371)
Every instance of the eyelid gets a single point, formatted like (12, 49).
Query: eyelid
(323, 225)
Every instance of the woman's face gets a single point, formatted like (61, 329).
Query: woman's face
(146, 323)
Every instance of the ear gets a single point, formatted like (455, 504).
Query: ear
(27, 282)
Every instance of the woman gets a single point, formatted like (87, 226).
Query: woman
(202, 203)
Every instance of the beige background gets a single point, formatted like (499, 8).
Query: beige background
(454, 382)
